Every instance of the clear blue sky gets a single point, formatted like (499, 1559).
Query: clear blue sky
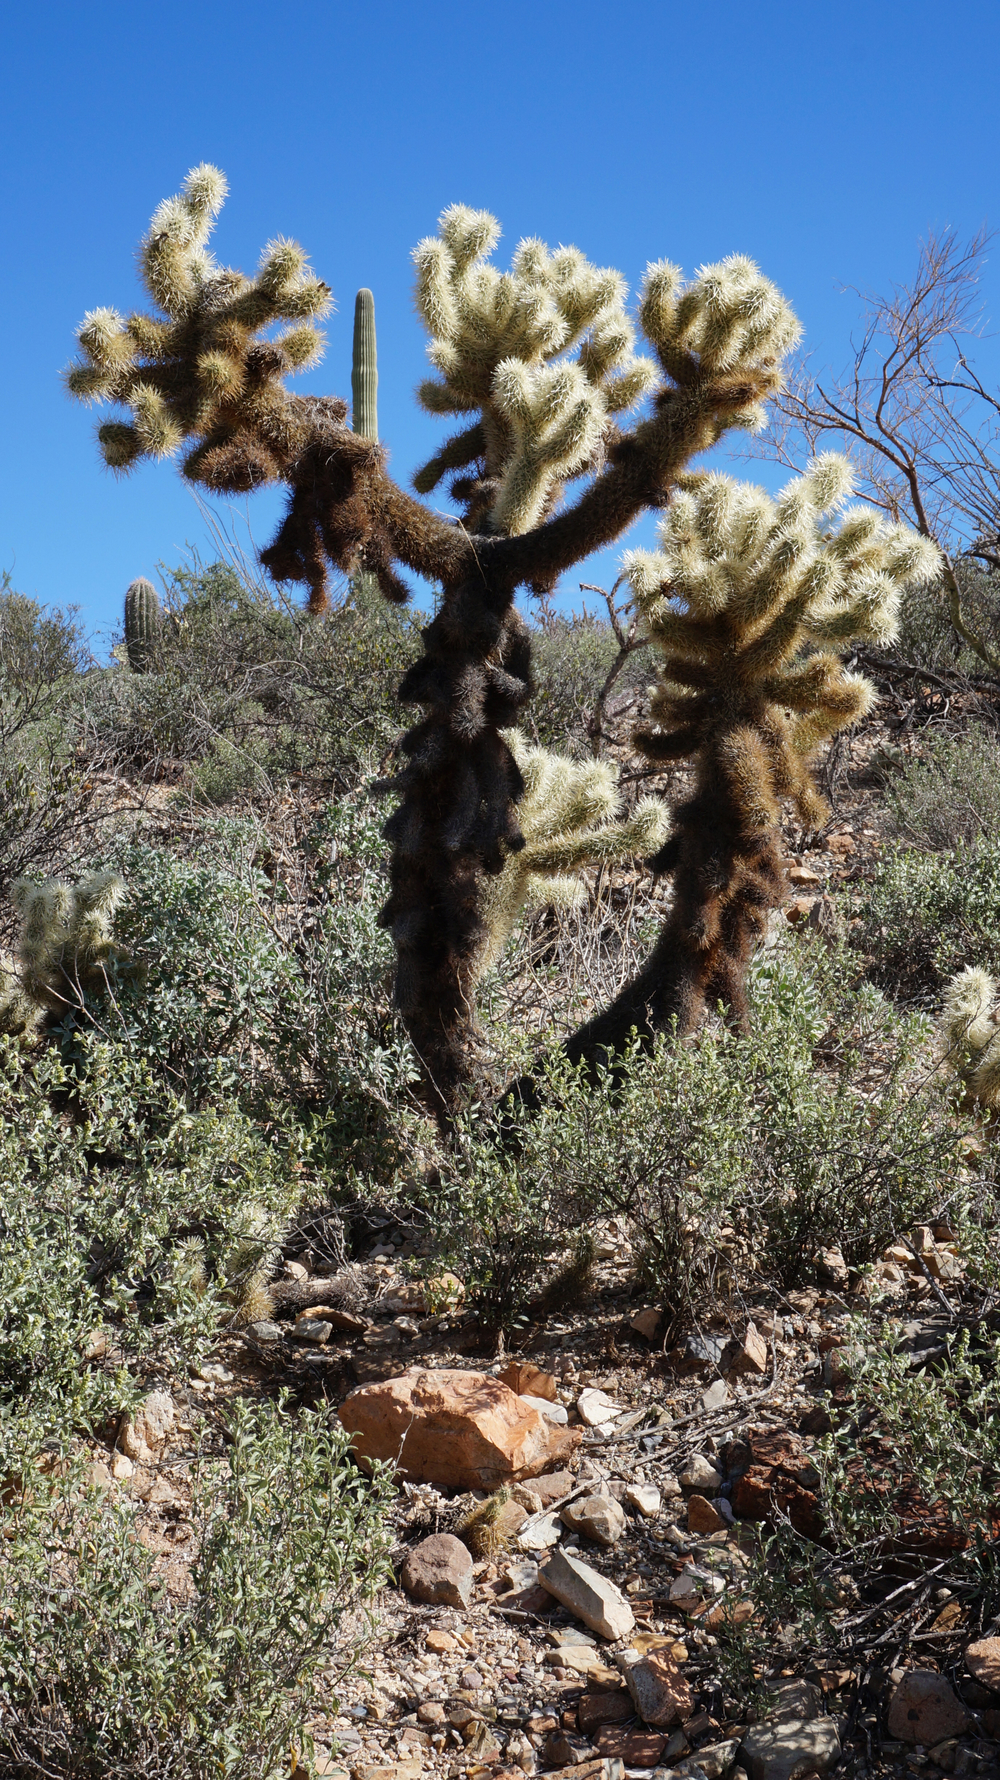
(822, 139)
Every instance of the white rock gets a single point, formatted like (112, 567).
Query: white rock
(716, 1396)
(553, 1412)
(311, 1330)
(598, 1517)
(592, 1597)
(143, 1434)
(698, 1474)
(594, 1407)
(644, 1498)
(539, 1532)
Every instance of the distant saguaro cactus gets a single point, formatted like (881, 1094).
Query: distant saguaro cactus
(364, 370)
(143, 625)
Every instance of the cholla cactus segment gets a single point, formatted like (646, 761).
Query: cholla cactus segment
(741, 598)
(730, 320)
(200, 372)
(501, 342)
(65, 946)
(570, 819)
(970, 1033)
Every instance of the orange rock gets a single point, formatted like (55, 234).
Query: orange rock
(702, 1517)
(526, 1380)
(462, 1429)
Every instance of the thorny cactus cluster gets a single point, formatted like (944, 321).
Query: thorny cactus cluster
(970, 1033)
(64, 949)
(570, 817)
(540, 362)
(746, 600)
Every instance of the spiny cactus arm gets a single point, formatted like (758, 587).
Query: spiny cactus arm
(636, 836)
(456, 453)
(967, 1016)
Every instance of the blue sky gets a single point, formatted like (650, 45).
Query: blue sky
(822, 139)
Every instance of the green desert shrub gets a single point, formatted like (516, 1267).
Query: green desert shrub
(107, 1671)
(947, 794)
(571, 659)
(926, 915)
(731, 1160)
(109, 1179)
(242, 677)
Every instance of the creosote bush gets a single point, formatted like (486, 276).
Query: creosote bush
(732, 1161)
(106, 1670)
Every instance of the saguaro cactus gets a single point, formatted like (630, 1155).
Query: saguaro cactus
(744, 599)
(143, 625)
(539, 362)
(364, 370)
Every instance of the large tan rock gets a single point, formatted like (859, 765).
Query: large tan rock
(925, 1709)
(462, 1429)
(143, 1434)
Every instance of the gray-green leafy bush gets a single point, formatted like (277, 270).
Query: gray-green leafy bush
(947, 793)
(242, 677)
(109, 1671)
(109, 1177)
(732, 1160)
(926, 915)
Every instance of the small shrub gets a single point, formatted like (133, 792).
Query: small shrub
(948, 795)
(926, 915)
(733, 1160)
(106, 1671)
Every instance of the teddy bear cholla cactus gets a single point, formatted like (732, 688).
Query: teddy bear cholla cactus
(747, 600)
(970, 1033)
(570, 818)
(540, 361)
(64, 949)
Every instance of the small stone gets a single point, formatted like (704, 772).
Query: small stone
(599, 1518)
(702, 1517)
(714, 1759)
(636, 1747)
(752, 1354)
(925, 1709)
(432, 1712)
(796, 1698)
(670, 1485)
(659, 1689)
(99, 1474)
(440, 1643)
(803, 874)
(539, 1532)
(312, 1329)
(295, 1270)
(264, 1331)
(594, 1407)
(470, 1680)
(698, 1474)
(553, 1486)
(716, 1396)
(439, 1571)
(648, 1324)
(982, 1659)
(645, 1499)
(121, 1468)
(595, 1709)
(787, 1749)
(592, 1597)
(142, 1435)
(526, 1380)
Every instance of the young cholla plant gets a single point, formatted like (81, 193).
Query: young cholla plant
(65, 947)
(539, 361)
(970, 1033)
(569, 816)
(748, 599)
